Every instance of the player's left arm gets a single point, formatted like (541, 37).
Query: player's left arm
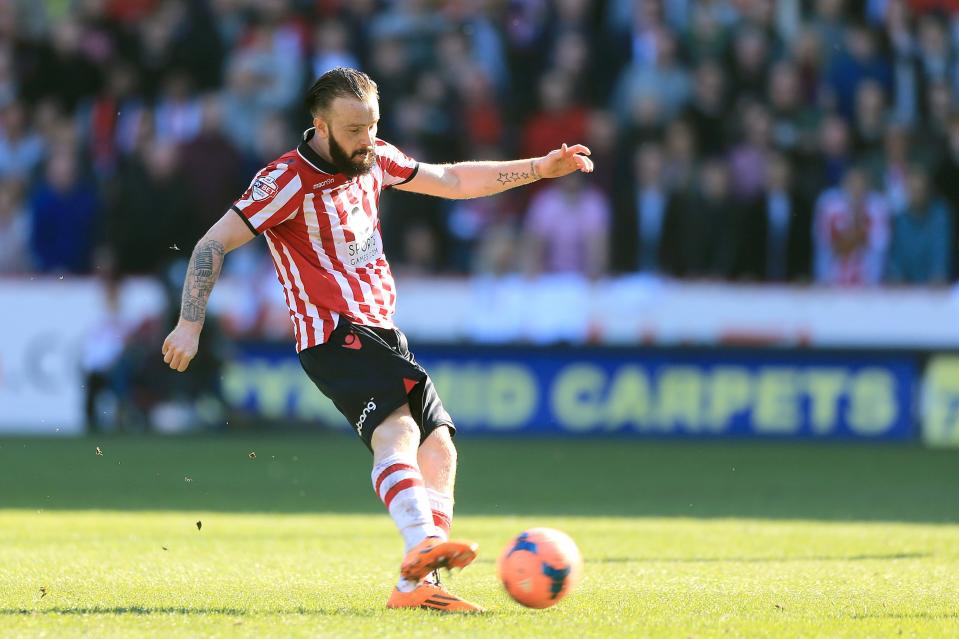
(475, 179)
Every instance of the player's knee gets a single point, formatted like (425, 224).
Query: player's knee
(439, 448)
(397, 432)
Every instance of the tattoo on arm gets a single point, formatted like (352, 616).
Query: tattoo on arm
(201, 275)
(508, 178)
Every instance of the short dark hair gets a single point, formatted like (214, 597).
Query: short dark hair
(340, 82)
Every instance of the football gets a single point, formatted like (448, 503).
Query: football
(539, 567)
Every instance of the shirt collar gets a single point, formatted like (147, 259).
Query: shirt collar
(311, 156)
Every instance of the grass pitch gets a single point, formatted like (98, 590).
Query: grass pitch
(680, 540)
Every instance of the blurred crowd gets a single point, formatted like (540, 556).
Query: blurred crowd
(745, 140)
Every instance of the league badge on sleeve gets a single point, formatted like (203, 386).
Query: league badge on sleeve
(263, 188)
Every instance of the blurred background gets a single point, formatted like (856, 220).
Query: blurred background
(768, 247)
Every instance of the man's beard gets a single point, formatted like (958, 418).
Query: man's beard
(350, 166)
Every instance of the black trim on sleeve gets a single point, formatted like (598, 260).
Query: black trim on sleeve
(412, 175)
(243, 217)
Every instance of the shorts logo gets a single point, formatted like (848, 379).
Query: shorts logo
(369, 408)
(352, 341)
(263, 188)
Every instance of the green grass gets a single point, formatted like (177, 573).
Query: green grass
(680, 540)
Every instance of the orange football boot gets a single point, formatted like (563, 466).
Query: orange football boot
(433, 553)
(432, 597)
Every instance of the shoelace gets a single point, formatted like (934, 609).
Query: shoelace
(434, 579)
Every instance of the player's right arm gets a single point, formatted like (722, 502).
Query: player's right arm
(228, 233)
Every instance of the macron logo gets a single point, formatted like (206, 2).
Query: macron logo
(320, 185)
(369, 408)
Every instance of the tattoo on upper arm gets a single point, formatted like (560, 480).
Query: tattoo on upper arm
(201, 275)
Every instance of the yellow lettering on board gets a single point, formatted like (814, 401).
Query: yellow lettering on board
(269, 383)
(628, 401)
(729, 392)
(825, 386)
(776, 410)
(872, 401)
(680, 398)
(940, 401)
(461, 387)
(511, 396)
(576, 396)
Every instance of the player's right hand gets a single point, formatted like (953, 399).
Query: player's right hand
(180, 347)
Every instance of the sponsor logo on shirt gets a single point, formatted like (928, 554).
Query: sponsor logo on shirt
(320, 185)
(368, 246)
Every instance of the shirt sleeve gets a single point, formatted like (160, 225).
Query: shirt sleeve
(398, 168)
(273, 197)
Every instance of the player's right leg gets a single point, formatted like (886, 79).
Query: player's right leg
(399, 484)
(437, 461)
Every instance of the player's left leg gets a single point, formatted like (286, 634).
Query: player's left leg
(437, 461)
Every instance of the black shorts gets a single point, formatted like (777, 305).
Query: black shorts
(368, 373)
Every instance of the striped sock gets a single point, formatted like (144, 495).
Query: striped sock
(442, 506)
(399, 484)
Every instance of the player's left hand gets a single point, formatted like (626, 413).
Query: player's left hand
(563, 161)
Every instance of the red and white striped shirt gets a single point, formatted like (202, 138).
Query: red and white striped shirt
(323, 231)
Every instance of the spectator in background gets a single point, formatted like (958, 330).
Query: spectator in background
(331, 48)
(558, 119)
(244, 103)
(21, 149)
(706, 225)
(680, 157)
(934, 62)
(112, 119)
(941, 104)
(571, 58)
(178, 110)
(747, 162)
(946, 184)
(809, 57)
(791, 119)
(101, 359)
(14, 231)
(59, 69)
(477, 107)
(776, 230)
(750, 60)
(859, 61)
(871, 121)
(827, 26)
(213, 172)
(147, 218)
(706, 40)
(827, 164)
(706, 111)
(666, 80)
(64, 214)
(567, 229)
(921, 235)
(890, 168)
(851, 233)
(646, 230)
